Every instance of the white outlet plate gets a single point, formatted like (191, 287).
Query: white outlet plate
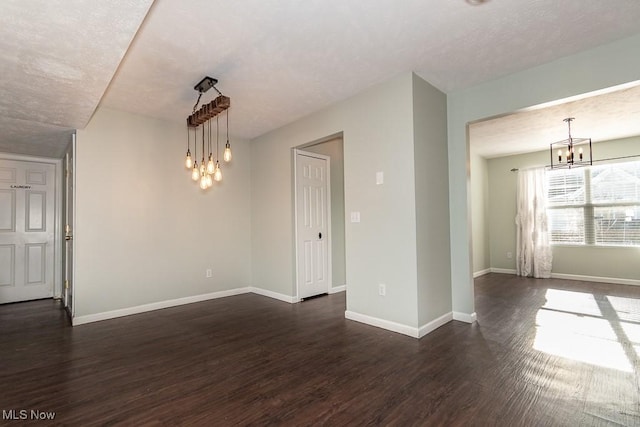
(379, 178)
(382, 289)
(209, 273)
(355, 216)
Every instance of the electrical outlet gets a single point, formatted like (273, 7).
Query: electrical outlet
(509, 255)
(382, 289)
(209, 273)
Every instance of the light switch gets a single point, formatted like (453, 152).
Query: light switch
(379, 178)
(355, 216)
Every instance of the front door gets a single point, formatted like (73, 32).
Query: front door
(312, 186)
(27, 208)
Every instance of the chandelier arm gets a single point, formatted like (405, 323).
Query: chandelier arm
(197, 102)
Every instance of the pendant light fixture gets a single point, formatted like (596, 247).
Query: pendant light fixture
(208, 170)
(571, 152)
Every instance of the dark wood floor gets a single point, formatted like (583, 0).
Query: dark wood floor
(251, 360)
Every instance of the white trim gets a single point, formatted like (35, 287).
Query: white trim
(274, 295)
(435, 324)
(503, 270)
(381, 323)
(465, 317)
(89, 318)
(597, 279)
(336, 289)
(614, 280)
(481, 273)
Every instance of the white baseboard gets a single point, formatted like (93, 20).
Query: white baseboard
(399, 327)
(481, 272)
(615, 280)
(503, 270)
(274, 295)
(89, 318)
(465, 317)
(337, 289)
(434, 324)
(381, 323)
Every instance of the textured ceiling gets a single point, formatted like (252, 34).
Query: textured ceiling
(278, 60)
(57, 58)
(600, 117)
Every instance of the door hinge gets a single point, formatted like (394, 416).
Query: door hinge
(66, 284)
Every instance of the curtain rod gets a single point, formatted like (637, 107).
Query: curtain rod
(593, 161)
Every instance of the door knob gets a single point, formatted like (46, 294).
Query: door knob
(320, 235)
(68, 238)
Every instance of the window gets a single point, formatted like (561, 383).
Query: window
(595, 206)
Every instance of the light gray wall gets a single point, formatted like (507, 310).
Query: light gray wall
(612, 262)
(432, 201)
(605, 66)
(334, 149)
(377, 127)
(144, 231)
(479, 212)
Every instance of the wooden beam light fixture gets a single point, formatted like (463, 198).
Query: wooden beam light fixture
(208, 171)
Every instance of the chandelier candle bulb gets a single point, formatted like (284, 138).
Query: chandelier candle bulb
(580, 153)
(227, 153)
(194, 173)
(188, 162)
(218, 173)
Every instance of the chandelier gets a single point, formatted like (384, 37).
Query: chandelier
(198, 122)
(571, 152)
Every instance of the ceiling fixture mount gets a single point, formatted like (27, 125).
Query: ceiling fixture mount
(476, 2)
(571, 152)
(206, 173)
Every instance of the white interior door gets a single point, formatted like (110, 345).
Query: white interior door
(312, 228)
(27, 230)
(68, 229)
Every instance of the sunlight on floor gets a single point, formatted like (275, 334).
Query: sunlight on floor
(571, 325)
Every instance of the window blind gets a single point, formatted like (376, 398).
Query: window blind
(598, 205)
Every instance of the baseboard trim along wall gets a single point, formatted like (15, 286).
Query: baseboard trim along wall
(434, 324)
(274, 295)
(615, 280)
(481, 272)
(337, 289)
(502, 270)
(399, 327)
(89, 318)
(465, 317)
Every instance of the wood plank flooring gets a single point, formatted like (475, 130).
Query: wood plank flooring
(251, 360)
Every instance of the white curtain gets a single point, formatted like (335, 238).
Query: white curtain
(533, 251)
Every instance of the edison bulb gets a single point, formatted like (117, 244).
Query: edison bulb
(203, 182)
(227, 153)
(209, 181)
(202, 167)
(210, 165)
(188, 161)
(194, 172)
(217, 175)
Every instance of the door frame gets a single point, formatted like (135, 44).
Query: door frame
(295, 153)
(71, 148)
(57, 220)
